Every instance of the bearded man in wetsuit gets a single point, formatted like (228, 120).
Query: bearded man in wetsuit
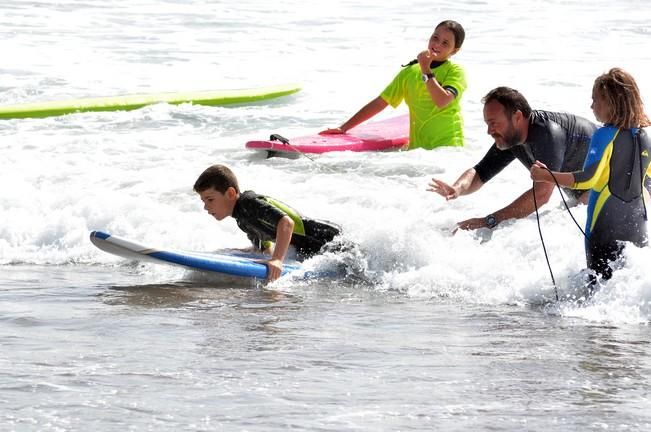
(558, 140)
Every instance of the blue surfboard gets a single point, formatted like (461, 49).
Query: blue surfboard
(230, 263)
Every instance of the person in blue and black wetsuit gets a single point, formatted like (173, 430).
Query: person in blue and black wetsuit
(558, 139)
(270, 225)
(615, 171)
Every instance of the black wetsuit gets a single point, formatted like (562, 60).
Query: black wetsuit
(258, 216)
(617, 164)
(558, 140)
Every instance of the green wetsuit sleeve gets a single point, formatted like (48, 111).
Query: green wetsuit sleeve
(394, 93)
(455, 78)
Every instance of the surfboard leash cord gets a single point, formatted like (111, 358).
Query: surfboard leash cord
(285, 141)
(542, 240)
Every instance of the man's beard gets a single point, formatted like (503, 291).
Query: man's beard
(511, 138)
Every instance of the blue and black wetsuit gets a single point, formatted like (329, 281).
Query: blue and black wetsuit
(558, 140)
(258, 216)
(615, 170)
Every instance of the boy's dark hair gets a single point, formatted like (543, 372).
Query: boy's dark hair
(456, 29)
(218, 177)
(511, 99)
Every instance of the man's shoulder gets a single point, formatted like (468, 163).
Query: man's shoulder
(558, 117)
(540, 122)
(561, 124)
(544, 116)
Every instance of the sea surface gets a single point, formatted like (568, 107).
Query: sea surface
(449, 332)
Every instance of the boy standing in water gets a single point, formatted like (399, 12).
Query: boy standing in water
(615, 170)
(270, 225)
(432, 87)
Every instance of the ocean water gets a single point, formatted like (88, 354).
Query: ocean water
(453, 332)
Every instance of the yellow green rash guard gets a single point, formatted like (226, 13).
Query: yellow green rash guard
(429, 125)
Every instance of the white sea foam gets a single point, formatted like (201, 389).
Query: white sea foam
(131, 173)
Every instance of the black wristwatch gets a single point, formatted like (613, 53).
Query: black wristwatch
(491, 221)
(427, 77)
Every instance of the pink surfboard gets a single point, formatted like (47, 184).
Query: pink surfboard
(383, 135)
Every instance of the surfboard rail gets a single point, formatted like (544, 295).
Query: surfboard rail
(135, 101)
(231, 263)
(384, 135)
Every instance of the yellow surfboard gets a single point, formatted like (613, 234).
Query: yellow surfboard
(131, 102)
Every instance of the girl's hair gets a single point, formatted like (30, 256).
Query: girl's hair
(622, 96)
(456, 29)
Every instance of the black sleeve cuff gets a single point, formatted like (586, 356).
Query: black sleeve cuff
(452, 89)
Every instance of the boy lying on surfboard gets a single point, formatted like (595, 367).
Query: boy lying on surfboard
(270, 225)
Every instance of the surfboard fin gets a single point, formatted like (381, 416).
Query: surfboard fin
(278, 137)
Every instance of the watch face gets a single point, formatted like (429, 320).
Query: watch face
(425, 77)
(491, 221)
